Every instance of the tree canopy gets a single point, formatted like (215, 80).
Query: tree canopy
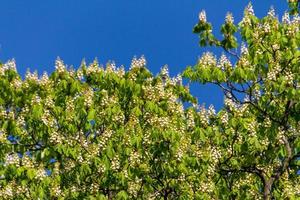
(105, 133)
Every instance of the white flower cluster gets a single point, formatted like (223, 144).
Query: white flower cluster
(273, 72)
(249, 9)
(202, 16)
(94, 188)
(146, 138)
(243, 62)
(12, 159)
(47, 118)
(27, 162)
(207, 187)
(104, 138)
(72, 72)
(21, 121)
(229, 18)
(56, 190)
(133, 120)
(101, 169)
(134, 158)
(69, 165)
(107, 100)
(204, 116)
(208, 60)
(36, 100)
(251, 127)
(134, 186)
(16, 83)
(215, 154)
(177, 80)
(148, 92)
(111, 67)
(159, 90)
(70, 109)
(271, 12)
(281, 136)
(266, 27)
(275, 47)
(286, 18)
(60, 66)
(190, 121)
(79, 74)
(182, 148)
(7, 192)
(49, 103)
(244, 49)
(20, 189)
(162, 122)
(44, 81)
(32, 76)
(289, 77)
(118, 118)
(164, 71)
(93, 68)
(55, 137)
(224, 118)
(211, 110)
(224, 63)
(138, 63)
(9, 65)
(121, 71)
(88, 97)
(80, 159)
(41, 174)
(115, 163)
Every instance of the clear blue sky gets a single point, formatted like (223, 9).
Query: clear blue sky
(35, 32)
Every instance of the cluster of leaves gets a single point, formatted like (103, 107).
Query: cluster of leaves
(104, 133)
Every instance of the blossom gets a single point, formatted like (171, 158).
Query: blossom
(10, 65)
(271, 12)
(224, 62)
(244, 49)
(208, 59)
(229, 18)
(59, 65)
(32, 76)
(12, 159)
(111, 66)
(137, 63)
(165, 71)
(202, 16)
(286, 18)
(249, 9)
(45, 79)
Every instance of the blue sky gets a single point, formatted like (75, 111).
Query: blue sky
(36, 32)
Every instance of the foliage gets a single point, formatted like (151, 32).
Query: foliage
(257, 132)
(107, 133)
(94, 133)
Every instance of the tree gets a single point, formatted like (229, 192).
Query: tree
(257, 132)
(92, 133)
(104, 133)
